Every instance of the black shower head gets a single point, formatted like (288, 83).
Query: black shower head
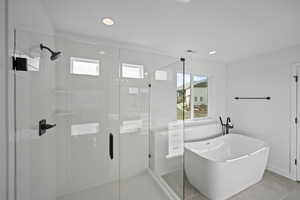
(54, 55)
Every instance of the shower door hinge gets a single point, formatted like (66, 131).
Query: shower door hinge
(149, 85)
(296, 120)
(296, 78)
(296, 162)
(149, 156)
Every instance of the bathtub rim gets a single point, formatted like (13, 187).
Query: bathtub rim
(265, 147)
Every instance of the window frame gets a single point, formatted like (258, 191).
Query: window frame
(192, 98)
(86, 60)
(139, 66)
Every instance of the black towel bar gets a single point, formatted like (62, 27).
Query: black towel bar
(266, 98)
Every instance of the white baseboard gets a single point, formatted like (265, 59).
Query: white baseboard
(280, 172)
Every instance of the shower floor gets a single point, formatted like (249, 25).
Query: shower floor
(134, 188)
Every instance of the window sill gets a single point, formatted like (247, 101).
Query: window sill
(199, 121)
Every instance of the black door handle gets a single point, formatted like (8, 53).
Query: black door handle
(111, 146)
(43, 126)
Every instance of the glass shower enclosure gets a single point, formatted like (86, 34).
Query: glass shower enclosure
(98, 122)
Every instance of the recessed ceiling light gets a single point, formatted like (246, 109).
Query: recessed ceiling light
(212, 52)
(108, 21)
(101, 52)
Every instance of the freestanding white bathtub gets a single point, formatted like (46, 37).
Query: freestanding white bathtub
(224, 166)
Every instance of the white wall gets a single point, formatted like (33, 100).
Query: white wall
(31, 15)
(3, 132)
(265, 75)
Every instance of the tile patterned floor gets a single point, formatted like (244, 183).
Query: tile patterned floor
(272, 187)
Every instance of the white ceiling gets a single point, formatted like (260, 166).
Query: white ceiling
(236, 29)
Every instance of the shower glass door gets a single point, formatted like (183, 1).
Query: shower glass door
(168, 103)
(137, 178)
(67, 120)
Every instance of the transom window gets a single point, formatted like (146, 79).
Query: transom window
(132, 71)
(83, 66)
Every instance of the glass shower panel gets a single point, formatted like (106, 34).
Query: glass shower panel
(167, 127)
(87, 102)
(137, 178)
(78, 158)
(34, 100)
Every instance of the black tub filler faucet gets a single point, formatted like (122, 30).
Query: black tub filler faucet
(226, 127)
